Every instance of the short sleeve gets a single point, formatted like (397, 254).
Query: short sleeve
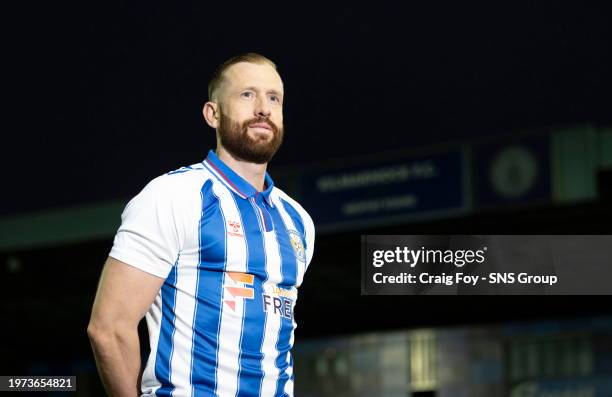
(149, 236)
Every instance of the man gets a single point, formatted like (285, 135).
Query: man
(213, 255)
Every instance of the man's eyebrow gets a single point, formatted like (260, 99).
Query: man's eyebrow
(275, 92)
(272, 91)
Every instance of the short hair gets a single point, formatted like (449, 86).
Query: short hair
(218, 75)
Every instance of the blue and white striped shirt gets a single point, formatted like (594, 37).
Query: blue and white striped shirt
(232, 258)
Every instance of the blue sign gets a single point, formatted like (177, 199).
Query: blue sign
(385, 192)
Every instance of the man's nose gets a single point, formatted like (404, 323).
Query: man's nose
(262, 108)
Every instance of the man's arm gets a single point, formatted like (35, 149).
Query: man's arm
(124, 295)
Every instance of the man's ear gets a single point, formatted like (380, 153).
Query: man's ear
(210, 111)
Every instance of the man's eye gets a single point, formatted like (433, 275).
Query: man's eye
(275, 98)
(247, 94)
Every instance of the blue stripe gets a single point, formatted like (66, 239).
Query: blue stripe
(264, 212)
(165, 343)
(211, 267)
(289, 273)
(251, 373)
(288, 258)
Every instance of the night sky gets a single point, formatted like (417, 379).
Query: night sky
(101, 99)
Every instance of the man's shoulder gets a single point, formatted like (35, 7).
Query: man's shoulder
(288, 200)
(188, 170)
(180, 182)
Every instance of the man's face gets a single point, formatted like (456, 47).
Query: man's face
(251, 112)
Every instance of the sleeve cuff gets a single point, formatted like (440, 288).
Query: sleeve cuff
(142, 263)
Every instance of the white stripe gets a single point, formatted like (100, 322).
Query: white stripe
(261, 216)
(258, 215)
(273, 321)
(230, 332)
(301, 269)
(290, 225)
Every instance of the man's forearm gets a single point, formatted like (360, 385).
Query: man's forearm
(117, 356)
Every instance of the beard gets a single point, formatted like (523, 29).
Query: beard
(236, 140)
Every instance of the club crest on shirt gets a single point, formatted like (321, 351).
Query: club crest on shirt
(234, 228)
(298, 246)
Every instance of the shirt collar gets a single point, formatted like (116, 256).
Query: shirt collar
(234, 181)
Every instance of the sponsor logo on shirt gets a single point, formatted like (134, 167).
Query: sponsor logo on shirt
(234, 228)
(237, 286)
(279, 302)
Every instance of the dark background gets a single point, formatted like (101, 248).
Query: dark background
(99, 99)
(104, 98)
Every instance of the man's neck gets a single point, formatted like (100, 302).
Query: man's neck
(253, 173)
